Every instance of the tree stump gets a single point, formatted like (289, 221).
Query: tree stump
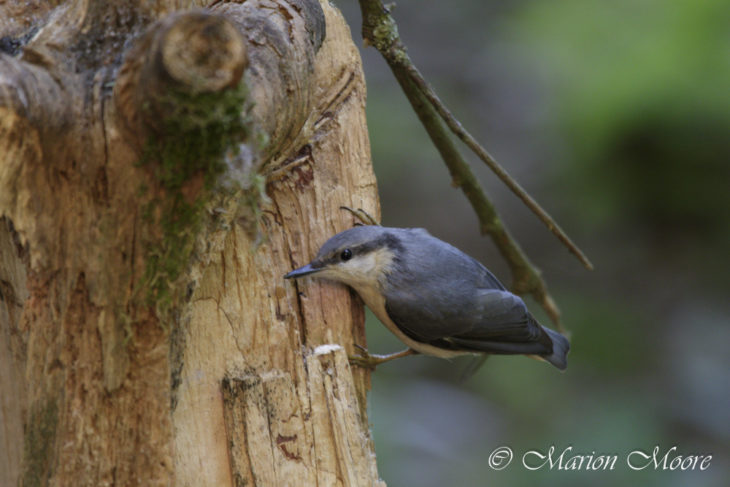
(160, 171)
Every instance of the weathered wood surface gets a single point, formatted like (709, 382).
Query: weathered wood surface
(232, 387)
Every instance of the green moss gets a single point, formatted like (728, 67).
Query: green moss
(385, 31)
(187, 157)
(40, 436)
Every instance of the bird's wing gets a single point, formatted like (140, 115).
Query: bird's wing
(441, 296)
(489, 320)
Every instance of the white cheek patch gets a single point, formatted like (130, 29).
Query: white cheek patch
(362, 270)
(361, 264)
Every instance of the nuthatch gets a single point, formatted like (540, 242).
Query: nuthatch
(433, 297)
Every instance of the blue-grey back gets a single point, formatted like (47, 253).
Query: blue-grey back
(435, 290)
(428, 261)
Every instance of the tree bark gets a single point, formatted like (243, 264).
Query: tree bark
(146, 334)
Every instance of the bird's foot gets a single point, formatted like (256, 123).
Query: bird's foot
(370, 361)
(362, 215)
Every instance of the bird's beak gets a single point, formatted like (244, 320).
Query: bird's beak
(302, 271)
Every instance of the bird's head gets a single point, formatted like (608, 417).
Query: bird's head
(360, 256)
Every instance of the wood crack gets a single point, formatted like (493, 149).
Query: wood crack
(337, 100)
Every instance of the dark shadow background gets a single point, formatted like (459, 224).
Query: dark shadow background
(616, 117)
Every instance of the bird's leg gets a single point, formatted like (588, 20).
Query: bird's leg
(370, 361)
(362, 215)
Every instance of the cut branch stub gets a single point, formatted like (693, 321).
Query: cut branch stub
(281, 84)
(180, 94)
(29, 94)
(192, 53)
(202, 52)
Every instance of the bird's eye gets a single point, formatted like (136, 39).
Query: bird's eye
(346, 254)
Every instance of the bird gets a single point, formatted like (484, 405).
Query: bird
(436, 299)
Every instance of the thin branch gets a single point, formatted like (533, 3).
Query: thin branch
(526, 278)
(381, 31)
(497, 168)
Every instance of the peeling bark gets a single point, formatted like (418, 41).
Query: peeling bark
(100, 384)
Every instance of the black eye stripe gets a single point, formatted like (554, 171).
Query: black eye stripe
(333, 255)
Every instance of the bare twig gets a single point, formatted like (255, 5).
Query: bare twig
(456, 127)
(525, 277)
(379, 29)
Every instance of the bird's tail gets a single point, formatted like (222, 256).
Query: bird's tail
(561, 346)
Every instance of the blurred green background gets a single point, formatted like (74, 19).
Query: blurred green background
(615, 115)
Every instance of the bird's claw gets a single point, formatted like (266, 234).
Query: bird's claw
(362, 215)
(364, 361)
(370, 361)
